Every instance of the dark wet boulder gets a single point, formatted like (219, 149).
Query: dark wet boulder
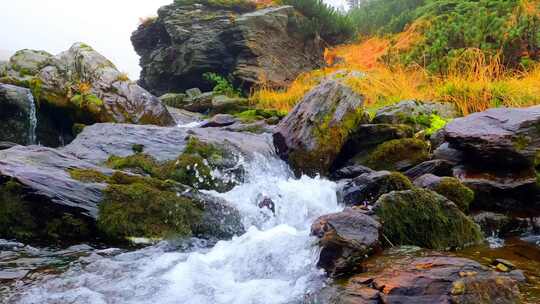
(449, 187)
(448, 154)
(397, 155)
(506, 225)
(187, 40)
(364, 138)
(439, 167)
(416, 114)
(367, 188)
(434, 279)
(312, 135)
(18, 120)
(425, 218)
(502, 189)
(345, 238)
(219, 120)
(504, 137)
(351, 171)
(88, 88)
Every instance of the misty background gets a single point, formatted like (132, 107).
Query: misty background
(54, 25)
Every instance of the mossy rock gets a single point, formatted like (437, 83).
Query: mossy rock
(424, 218)
(142, 210)
(398, 154)
(88, 175)
(457, 192)
(193, 167)
(258, 114)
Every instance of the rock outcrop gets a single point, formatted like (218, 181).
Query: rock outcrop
(312, 135)
(85, 86)
(252, 46)
(367, 188)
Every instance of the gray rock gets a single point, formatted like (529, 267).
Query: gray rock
(44, 172)
(86, 87)
(312, 135)
(437, 167)
(224, 104)
(506, 225)
(503, 136)
(253, 47)
(175, 100)
(415, 113)
(98, 142)
(193, 92)
(183, 117)
(350, 172)
(219, 120)
(448, 154)
(345, 239)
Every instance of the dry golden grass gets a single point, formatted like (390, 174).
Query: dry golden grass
(473, 83)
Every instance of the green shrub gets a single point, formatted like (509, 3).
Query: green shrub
(330, 24)
(222, 85)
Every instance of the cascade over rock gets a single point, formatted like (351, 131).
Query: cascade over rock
(255, 47)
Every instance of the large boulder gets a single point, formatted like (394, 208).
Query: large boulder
(424, 218)
(98, 142)
(86, 87)
(345, 238)
(127, 181)
(312, 135)
(433, 279)
(449, 187)
(254, 47)
(504, 137)
(17, 115)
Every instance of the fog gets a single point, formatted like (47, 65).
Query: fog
(54, 25)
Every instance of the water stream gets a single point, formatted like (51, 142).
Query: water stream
(32, 119)
(273, 262)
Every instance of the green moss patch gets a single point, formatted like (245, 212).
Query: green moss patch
(398, 154)
(454, 190)
(259, 114)
(192, 168)
(88, 175)
(424, 218)
(140, 209)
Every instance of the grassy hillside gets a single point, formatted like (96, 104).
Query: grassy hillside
(476, 54)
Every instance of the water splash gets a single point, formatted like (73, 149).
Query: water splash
(32, 119)
(273, 262)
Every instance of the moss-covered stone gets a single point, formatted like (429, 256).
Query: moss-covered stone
(141, 210)
(424, 218)
(454, 190)
(16, 220)
(88, 175)
(258, 114)
(193, 167)
(398, 154)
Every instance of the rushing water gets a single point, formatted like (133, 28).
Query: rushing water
(273, 262)
(32, 120)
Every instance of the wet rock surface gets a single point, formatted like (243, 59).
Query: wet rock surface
(312, 135)
(185, 41)
(16, 110)
(346, 238)
(429, 279)
(367, 188)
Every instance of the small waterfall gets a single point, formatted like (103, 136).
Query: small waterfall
(32, 119)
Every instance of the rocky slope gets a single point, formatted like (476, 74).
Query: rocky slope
(255, 47)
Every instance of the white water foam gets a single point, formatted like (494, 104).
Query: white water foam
(32, 119)
(272, 263)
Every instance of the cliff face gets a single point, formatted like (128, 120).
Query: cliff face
(185, 41)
